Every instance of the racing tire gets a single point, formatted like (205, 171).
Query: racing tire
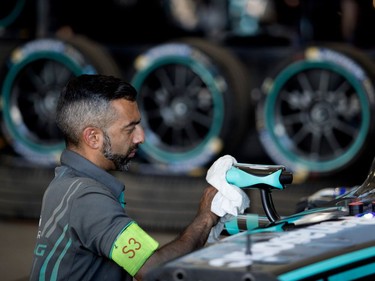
(30, 145)
(195, 102)
(33, 76)
(317, 110)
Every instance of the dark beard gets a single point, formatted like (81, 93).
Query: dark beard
(121, 161)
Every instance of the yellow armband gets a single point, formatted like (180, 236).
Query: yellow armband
(132, 248)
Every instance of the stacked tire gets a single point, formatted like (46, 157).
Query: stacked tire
(195, 101)
(32, 76)
(316, 114)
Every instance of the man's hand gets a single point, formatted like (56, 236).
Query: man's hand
(206, 203)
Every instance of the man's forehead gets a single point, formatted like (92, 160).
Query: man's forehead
(127, 109)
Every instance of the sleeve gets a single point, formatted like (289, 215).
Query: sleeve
(97, 219)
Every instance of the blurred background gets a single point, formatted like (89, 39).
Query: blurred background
(287, 82)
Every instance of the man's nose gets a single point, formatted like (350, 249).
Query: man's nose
(140, 135)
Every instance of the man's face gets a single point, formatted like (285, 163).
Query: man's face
(122, 138)
(121, 161)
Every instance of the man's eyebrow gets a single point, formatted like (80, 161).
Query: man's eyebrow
(132, 124)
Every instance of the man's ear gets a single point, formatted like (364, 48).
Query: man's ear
(93, 137)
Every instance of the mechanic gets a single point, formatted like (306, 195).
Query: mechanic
(84, 231)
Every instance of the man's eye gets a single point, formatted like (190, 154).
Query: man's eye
(131, 130)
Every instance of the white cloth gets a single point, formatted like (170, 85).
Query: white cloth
(230, 200)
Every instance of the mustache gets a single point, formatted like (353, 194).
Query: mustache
(134, 147)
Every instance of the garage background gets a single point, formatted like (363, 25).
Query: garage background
(248, 59)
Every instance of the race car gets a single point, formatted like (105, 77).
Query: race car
(330, 242)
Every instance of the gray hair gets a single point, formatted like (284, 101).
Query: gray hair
(87, 101)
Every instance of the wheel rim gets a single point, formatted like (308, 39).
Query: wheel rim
(30, 94)
(182, 114)
(317, 128)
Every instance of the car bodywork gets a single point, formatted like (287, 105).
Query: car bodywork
(331, 242)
